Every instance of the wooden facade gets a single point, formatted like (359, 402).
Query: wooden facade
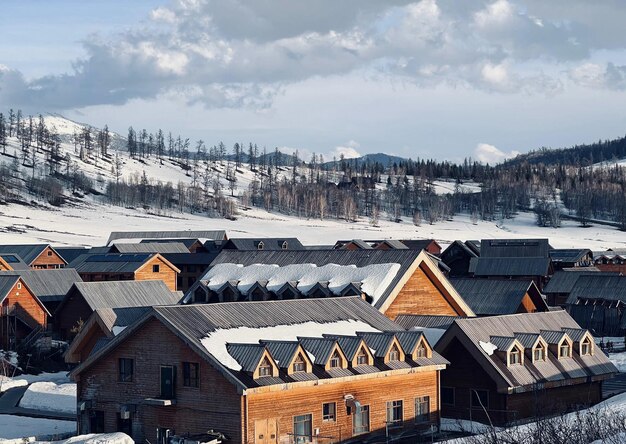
(20, 313)
(48, 259)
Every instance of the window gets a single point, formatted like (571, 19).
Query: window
(422, 352)
(155, 268)
(480, 398)
(299, 365)
(394, 412)
(362, 358)
(585, 347)
(265, 369)
(539, 353)
(564, 350)
(335, 360)
(284, 245)
(125, 370)
(447, 396)
(329, 411)
(422, 409)
(191, 374)
(515, 356)
(302, 428)
(49, 252)
(19, 285)
(361, 420)
(260, 245)
(394, 353)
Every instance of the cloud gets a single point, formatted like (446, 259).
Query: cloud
(241, 54)
(594, 75)
(487, 153)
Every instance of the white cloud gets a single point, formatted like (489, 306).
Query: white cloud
(487, 153)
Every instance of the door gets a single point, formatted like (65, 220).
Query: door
(168, 382)
(266, 431)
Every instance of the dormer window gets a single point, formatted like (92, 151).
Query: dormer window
(586, 347)
(260, 245)
(515, 356)
(285, 245)
(422, 352)
(565, 350)
(265, 368)
(335, 360)
(539, 353)
(362, 358)
(299, 364)
(394, 353)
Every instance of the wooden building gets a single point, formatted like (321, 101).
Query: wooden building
(263, 243)
(272, 372)
(126, 267)
(571, 258)
(36, 256)
(611, 260)
(394, 281)
(458, 256)
(21, 312)
(84, 298)
(12, 262)
(155, 236)
(561, 284)
(489, 297)
(508, 368)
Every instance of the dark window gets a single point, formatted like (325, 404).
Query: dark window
(299, 365)
(96, 421)
(265, 369)
(516, 356)
(422, 409)
(394, 411)
(480, 398)
(155, 268)
(564, 350)
(335, 360)
(361, 420)
(329, 411)
(394, 353)
(447, 395)
(585, 347)
(168, 382)
(362, 358)
(302, 428)
(49, 252)
(191, 374)
(260, 246)
(126, 370)
(190, 281)
(421, 351)
(125, 423)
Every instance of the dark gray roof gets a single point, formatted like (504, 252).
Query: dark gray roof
(393, 243)
(378, 342)
(186, 242)
(564, 281)
(216, 235)
(510, 266)
(341, 244)
(418, 244)
(15, 261)
(282, 351)
(493, 296)
(25, 251)
(6, 284)
(569, 254)
(599, 286)
(552, 336)
(48, 285)
(425, 321)
(121, 316)
(576, 334)
(109, 263)
(514, 248)
(113, 294)
(526, 339)
(203, 259)
(151, 247)
(248, 243)
(247, 355)
(320, 348)
(359, 258)
(502, 342)
(70, 253)
(349, 344)
(409, 339)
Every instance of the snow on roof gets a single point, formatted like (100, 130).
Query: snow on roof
(488, 347)
(215, 342)
(374, 278)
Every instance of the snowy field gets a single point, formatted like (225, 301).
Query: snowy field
(50, 397)
(12, 427)
(102, 438)
(20, 381)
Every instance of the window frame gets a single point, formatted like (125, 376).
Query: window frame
(188, 380)
(362, 411)
(515, 356)
(475, 394)
(394, 407)
(563, 344)
(265, 367)
(393, 351)
(539, 348)
(420, 402)
(335, 358)
(122, 370)
(586, 342)
(156, 268)
(308, 419)
(297, 362)
(329, 416)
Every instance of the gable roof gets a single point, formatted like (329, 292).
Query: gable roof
(8, 281)
(113, 262)
(150, 247)
(409, 322)
(569, 254)
(215, 235)
(490, 248)
(14, 261)
(247, 355)
(471, 332)
(269, 243)
(563, 281)
(360, 243)
(28, 252)
(320, 348)
(497, 296)
(599, 286)
(419, 244)
(48, 285)
(186, 242)
(116, 294)
(510, 266)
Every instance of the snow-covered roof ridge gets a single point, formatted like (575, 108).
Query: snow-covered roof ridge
(374, 279)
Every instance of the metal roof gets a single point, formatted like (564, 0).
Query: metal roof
(282, 351)
(494, 296)
(393, 243)
(552, 337)
(358, 258)
(576, 334)
(26, 251)
(120, 316)
(320, 348)
(349, 344)
(409, 339)
(249, 243)
(110, 263)
(510, 266)
(514, 248)
(569, 254)
(48, 285)
(247, 355)
(379, 343)
(502, 342)
(425, 321)
(216, 235)
(526, 339)
(7, 282)
(363, 245)
(70, 253)
(564, 281)
(151, 247)
(471, 331)
(15, 261)
(114, 294)
(202, 259)
(418, 244)
(186, 242)
(599, 286)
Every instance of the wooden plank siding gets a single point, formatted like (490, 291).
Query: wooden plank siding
(527, 305)
(72, 312)
(26, 307)
(166, 273)
(48, 259)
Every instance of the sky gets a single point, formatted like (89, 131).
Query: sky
(436, 79)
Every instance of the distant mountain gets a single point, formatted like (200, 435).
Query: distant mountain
(380, 158)
(66, 128)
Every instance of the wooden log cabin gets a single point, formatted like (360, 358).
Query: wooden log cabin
(262, 373)
(394, 281)
(21, 312)
(563, 281)
(612, 260)
(36, 256)
(508, 368)
(126, 267)
(11, 262)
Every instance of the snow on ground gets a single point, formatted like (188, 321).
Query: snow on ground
(374, 278)
(48, 396)
(19, 381)
(102, 438)
(215, 342)
(12, 427)
(619, 360)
